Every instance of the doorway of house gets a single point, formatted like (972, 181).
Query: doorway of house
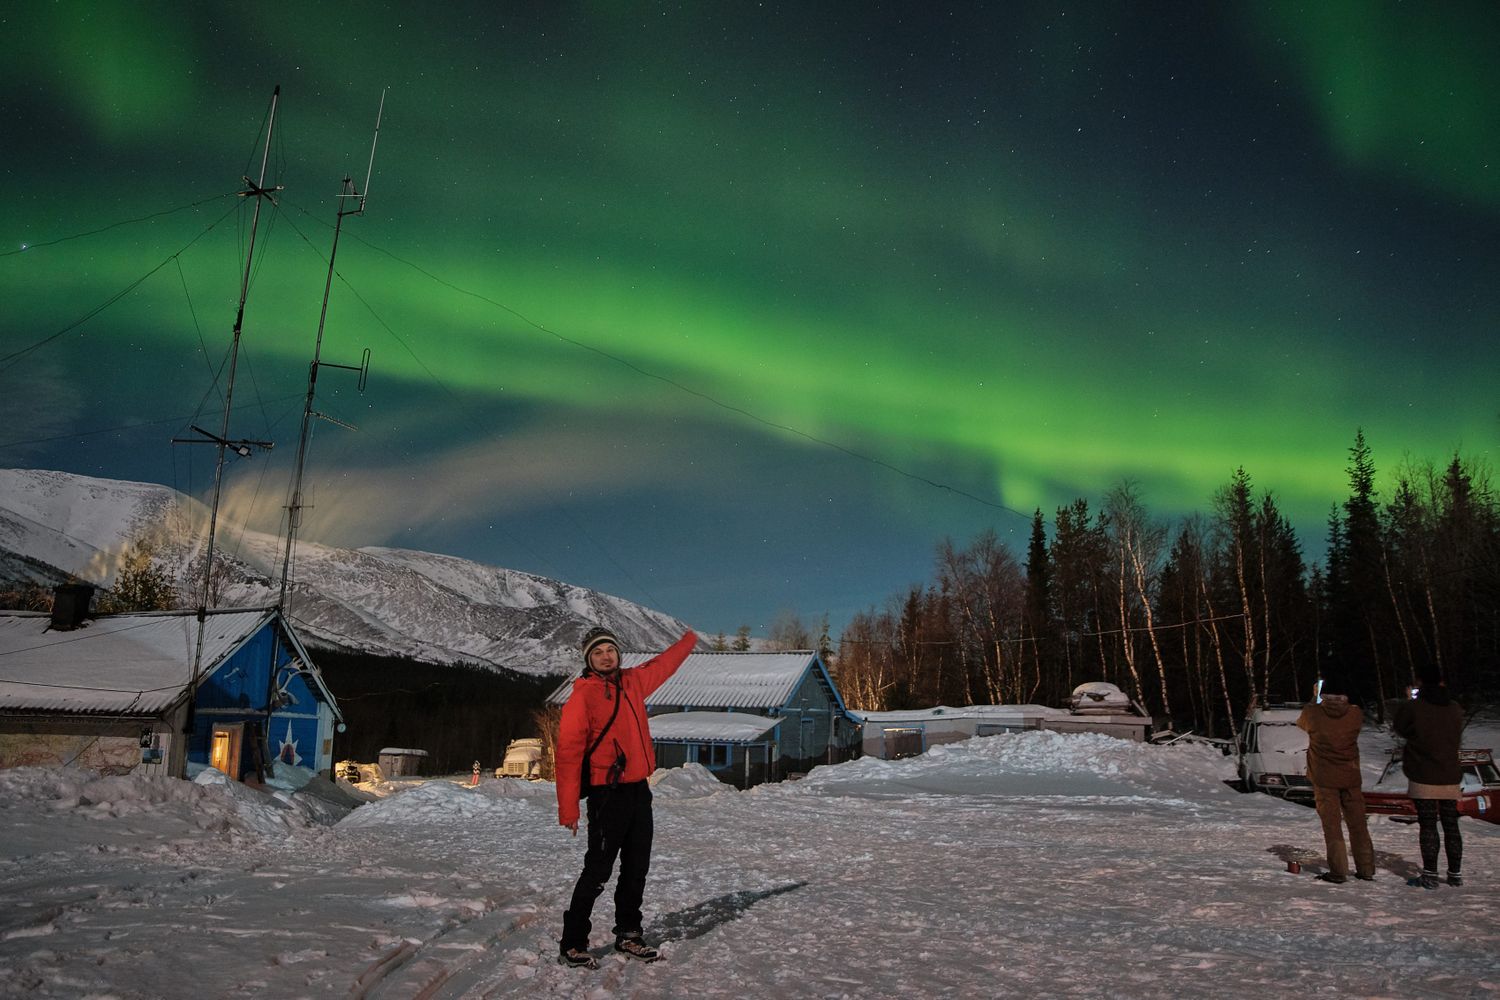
(224, 752)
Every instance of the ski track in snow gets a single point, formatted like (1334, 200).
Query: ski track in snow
(969, 871)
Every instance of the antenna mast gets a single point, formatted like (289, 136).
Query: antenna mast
(254, 189)
(294, 507)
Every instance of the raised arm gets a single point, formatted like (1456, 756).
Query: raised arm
(654, 672)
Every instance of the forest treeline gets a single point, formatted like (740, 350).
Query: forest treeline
(1198, 619)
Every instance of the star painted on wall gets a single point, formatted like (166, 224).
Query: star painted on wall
(288, 749)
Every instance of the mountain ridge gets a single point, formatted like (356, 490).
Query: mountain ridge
(432, 607)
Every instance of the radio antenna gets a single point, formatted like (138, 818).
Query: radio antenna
(253, 189)
(348, 193)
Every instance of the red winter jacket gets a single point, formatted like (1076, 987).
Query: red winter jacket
(587, 712)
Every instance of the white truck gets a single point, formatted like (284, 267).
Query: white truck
(1273, 753)
(523, 759)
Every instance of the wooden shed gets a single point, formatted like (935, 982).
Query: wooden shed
(401, 762)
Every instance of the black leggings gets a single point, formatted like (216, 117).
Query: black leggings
(1429, 813)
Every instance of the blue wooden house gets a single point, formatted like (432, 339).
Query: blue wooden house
(747, 717)
(119, 694)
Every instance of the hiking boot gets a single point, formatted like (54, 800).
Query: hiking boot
(577, 958)
(634, 947)
(1454, 878)
(1426, 880)
(1364, 878)
(1332, 877)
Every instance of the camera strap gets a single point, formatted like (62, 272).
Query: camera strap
(619, 694)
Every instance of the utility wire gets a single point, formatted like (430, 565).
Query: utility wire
(131, 427)
(537, 558)
(79, 638)
(647, 373)
(15, 355)
(365, 302)
(574, 342)
(30, 247)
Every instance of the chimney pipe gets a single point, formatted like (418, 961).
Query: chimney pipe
(70, 605)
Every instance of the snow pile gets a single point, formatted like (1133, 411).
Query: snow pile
(439, 802)
(1034, 764)
(690, 781)
(162, 808)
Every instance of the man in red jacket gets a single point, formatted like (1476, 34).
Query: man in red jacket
(605, 720)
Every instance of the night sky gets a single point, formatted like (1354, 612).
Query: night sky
(730, 308)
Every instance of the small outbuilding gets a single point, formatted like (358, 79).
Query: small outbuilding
(133, 693)
(402, 762)
(1096, 707)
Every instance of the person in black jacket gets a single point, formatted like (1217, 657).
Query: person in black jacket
(1432, 723)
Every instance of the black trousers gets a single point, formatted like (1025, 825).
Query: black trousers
(620, 826)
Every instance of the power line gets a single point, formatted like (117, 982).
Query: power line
(130, 427)
(29, 247)
(14, 355)
(80, 638)
(574, 342)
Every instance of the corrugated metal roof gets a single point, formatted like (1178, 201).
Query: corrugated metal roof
(721, 680)
(118, 664)
(711, 727)
(941, 712)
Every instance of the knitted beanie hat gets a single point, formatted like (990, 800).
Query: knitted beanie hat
(597, 636)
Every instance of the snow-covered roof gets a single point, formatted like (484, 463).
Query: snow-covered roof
(129, 663)
(1012, 714)
(711, 727)
(995, 713)
(722, 680)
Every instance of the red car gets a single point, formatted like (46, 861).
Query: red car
(1479, 793)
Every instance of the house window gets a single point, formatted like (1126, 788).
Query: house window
(714, 755)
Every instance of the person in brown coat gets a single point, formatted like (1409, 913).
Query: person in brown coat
(1333, 726)
(1432, 723)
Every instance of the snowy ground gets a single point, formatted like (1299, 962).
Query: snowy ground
(1025, 865)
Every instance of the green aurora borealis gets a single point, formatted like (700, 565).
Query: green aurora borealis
(622, 263)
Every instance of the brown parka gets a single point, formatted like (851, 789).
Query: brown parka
(1332, 728)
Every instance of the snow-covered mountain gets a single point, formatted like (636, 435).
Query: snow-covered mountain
(431, 607)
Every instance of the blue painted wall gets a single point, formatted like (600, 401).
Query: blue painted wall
(238, 691)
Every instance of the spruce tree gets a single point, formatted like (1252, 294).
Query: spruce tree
(1040, 626)
(1357, 606)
